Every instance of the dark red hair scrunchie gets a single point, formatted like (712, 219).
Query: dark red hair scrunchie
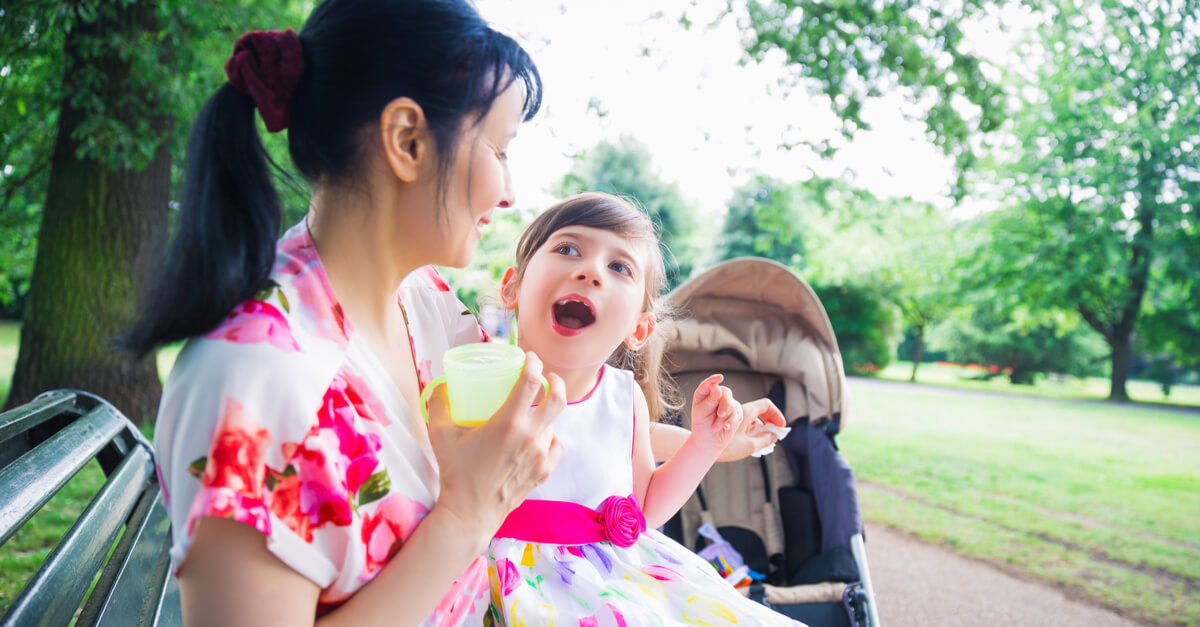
(266, 65)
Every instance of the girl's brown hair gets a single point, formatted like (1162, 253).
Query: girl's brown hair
(617, 215)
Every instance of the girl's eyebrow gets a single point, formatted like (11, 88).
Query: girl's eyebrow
(624, 252)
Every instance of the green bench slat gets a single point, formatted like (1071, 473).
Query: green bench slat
(54, 593)
(29, 482)
(140, 567)
(21, 419)
(170, 611)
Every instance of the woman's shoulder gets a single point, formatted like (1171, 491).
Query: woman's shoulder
(437, 318)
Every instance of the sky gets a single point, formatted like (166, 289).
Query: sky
(710, 122)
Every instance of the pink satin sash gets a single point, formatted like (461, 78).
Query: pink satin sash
(618, 520)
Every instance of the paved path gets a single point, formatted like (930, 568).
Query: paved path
(919, 585)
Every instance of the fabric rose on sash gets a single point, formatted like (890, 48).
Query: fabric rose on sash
(622, 520)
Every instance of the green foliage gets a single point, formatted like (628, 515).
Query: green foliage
(1171, 323)
(765, 219)
(853, 50)
(31, 59)
(624, 168)
(1022, 341)
(1102, 179)
(175, 66)
(865, 325)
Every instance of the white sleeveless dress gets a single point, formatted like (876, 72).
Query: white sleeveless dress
(577, 551)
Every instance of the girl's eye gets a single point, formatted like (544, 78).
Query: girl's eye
(503, 155)
(619, 268)
(567, 249)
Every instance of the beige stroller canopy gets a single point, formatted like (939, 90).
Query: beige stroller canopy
(762, 311)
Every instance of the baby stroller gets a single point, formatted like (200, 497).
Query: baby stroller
(791, 516)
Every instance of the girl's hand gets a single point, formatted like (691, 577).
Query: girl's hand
(749, 439)
(716, 415)
(486, 471)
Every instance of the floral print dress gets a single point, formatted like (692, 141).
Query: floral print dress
(282, 418)
(577, 551)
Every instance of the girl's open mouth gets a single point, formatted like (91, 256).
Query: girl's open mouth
(572, 314)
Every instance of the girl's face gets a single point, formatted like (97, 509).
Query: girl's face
(480, 179)
(582, 294)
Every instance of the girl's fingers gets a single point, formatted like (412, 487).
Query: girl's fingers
(707, 389)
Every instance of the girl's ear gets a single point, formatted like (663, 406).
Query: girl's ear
(405, 142)
(508, 288)
(641, 333)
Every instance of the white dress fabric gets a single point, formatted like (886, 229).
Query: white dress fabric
(655, 581)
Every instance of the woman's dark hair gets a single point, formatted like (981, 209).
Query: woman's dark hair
(359, 55)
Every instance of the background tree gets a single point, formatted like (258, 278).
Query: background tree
(106, 78)
(1105, 171)
(855, 50)
(1018, 341)
(919, 275)
(833, 236)
(765, 219)
(624, 168)
(31, 50)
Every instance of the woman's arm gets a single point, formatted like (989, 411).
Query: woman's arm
(229, 577)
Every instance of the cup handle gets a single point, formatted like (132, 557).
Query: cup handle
(429, 387)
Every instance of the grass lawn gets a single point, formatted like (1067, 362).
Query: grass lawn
(1101, 501)
(1069, 387)
(10, 338)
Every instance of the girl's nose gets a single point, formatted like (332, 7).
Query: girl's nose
(583, 276)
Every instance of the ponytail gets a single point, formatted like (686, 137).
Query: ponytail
(224, 247)
(324, 86)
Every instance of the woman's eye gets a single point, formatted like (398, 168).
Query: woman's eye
(566, 249)
(619, 268)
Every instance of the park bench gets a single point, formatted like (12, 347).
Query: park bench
(111, 567)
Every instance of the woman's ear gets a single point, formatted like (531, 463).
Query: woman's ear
(641, 333)
(508, 288)
(405, 140)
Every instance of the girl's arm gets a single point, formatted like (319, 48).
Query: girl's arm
(665, 439)
(663, 490)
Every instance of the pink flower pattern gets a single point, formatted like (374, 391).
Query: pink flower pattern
(386, 528)
(253, 322)
(342, 485)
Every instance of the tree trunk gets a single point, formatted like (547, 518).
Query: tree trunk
(99, 227)
(918, 352)
(1122, 353)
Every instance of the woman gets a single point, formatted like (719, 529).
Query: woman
(300, 487)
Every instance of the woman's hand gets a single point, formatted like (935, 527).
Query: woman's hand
(486, 471)
(750, 437)
(716, 415)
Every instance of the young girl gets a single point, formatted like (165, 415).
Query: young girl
(582, 548)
